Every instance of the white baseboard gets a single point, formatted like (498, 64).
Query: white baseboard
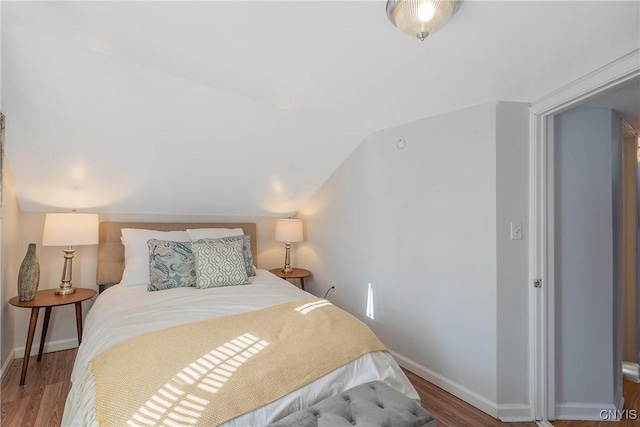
(446, 384)
(5, 366)
(49, 347)
(516, 412)
(586, 411)
(544, 424)
(619, 400)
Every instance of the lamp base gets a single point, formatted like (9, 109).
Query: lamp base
(287, 264)
(65, 284)
(64, 291)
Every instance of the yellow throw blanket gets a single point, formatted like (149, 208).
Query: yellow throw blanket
(209, 372)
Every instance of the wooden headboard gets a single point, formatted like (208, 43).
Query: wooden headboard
(111, 251)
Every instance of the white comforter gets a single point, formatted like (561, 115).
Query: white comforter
(123, 312)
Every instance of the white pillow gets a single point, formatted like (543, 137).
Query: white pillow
(136, 252)
(213, 233)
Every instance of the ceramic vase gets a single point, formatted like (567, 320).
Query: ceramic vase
(29, 275)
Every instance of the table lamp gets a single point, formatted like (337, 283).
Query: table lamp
(288, 231)
(69, 229)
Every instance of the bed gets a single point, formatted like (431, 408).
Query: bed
(125, 313)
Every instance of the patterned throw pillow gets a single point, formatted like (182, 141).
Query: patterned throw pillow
(219, 263)
(246, 251)
(171, 265)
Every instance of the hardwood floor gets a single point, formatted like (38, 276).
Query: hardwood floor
(41, 400)
(451, 411)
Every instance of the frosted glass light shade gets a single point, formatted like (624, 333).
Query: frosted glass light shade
(70, 229)
(421, 18)
(289, 230)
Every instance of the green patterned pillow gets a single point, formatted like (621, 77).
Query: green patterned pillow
(246, 250)
(171, 265)
(219, 263)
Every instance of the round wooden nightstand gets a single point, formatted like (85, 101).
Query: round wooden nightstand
(48, 299)
(297, 273)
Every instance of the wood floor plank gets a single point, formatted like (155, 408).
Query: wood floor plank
(9, 393)
(52, 404)
(30, 412)
(11, 414)
(40, 401)
(61, 366)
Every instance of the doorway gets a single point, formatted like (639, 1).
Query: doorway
(630, 319)
(542, 299)
(587, 215)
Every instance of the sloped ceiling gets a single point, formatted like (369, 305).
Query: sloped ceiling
(246, 108)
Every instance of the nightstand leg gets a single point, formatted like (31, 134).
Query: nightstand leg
(45, 326)
(27, 349)
(302, 283)
(79, 321)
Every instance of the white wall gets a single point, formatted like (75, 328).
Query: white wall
(588, 344)
(512, 141)
(9, 265)
(62, 330)
(421, 226)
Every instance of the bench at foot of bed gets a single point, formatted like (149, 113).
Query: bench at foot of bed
(371, 404)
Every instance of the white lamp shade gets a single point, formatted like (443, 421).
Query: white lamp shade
(289, 230)
(70, 229)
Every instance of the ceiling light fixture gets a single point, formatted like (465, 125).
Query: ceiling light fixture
(421, 18)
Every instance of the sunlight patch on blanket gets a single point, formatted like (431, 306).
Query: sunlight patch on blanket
(173, 407)
(306, 308)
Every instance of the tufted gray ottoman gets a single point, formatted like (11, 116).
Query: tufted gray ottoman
(373, 404)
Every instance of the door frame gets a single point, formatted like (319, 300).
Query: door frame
(627, 128)
(541, 227)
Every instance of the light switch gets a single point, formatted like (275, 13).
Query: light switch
(516, 231)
